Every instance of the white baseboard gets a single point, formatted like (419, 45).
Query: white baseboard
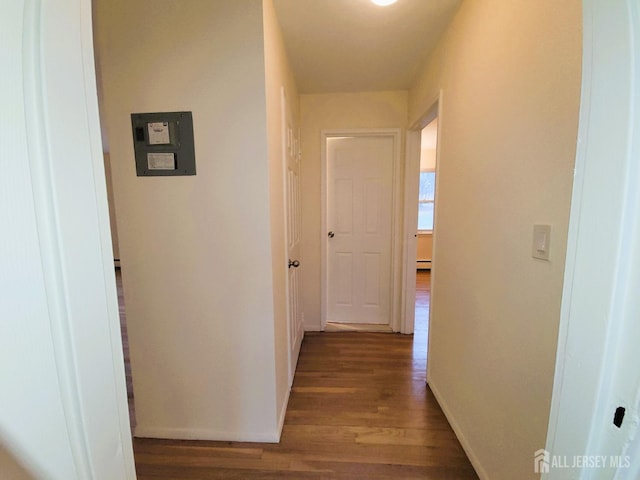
(205, 434)
(216, 435)
(283, 413)
(466, 446)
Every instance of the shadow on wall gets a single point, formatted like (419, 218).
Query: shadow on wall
(10, 466)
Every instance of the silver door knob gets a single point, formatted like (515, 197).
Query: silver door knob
(294, 263)
(331, 234)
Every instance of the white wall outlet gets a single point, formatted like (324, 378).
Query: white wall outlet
(541, 241)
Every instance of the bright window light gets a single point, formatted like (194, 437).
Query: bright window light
(426, 199)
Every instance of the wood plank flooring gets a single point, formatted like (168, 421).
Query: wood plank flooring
(359, 409)
(125, 348)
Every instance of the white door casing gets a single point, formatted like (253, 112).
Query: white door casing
(292, 154)
(63, 407)
(360, 229)
(598, 357)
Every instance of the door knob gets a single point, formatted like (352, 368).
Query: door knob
(331, 234)
(294, 263)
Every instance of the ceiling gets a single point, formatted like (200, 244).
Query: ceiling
(354, 45)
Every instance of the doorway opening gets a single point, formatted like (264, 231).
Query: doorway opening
(424, 236)
(420, 219)
(119, 287)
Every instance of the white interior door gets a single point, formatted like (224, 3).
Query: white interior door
(359, 223)
(291, 148)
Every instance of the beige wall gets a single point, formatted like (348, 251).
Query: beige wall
(112, 209)
(196, 250)
(427, 159)
(510, 74)
(425, 246)
(278, 76)
(324, 112)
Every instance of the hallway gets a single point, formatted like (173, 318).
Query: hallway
(359, 408)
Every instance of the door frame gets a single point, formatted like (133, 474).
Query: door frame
(396, 218)
(67, 185)
(411, 177)
(598, 319)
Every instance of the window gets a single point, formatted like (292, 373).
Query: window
(426, 199)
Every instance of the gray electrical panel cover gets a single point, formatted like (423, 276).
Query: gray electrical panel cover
(163, 143)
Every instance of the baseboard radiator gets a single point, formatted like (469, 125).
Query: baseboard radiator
(423, 264)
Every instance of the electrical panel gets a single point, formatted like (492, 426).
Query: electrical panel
(163, 143)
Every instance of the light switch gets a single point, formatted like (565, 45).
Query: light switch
(541, 240)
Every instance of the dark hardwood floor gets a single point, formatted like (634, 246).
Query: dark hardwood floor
(423, 301)
(125, 348)
(359, 409)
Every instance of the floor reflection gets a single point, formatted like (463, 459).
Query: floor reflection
(421, 331)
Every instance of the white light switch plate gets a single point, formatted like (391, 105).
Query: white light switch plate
(541, 241)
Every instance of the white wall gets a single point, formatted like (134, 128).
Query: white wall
(196, 250)
(324, 112)
(278, 76)
(510, 75)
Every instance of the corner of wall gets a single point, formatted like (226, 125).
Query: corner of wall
(189, 244)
